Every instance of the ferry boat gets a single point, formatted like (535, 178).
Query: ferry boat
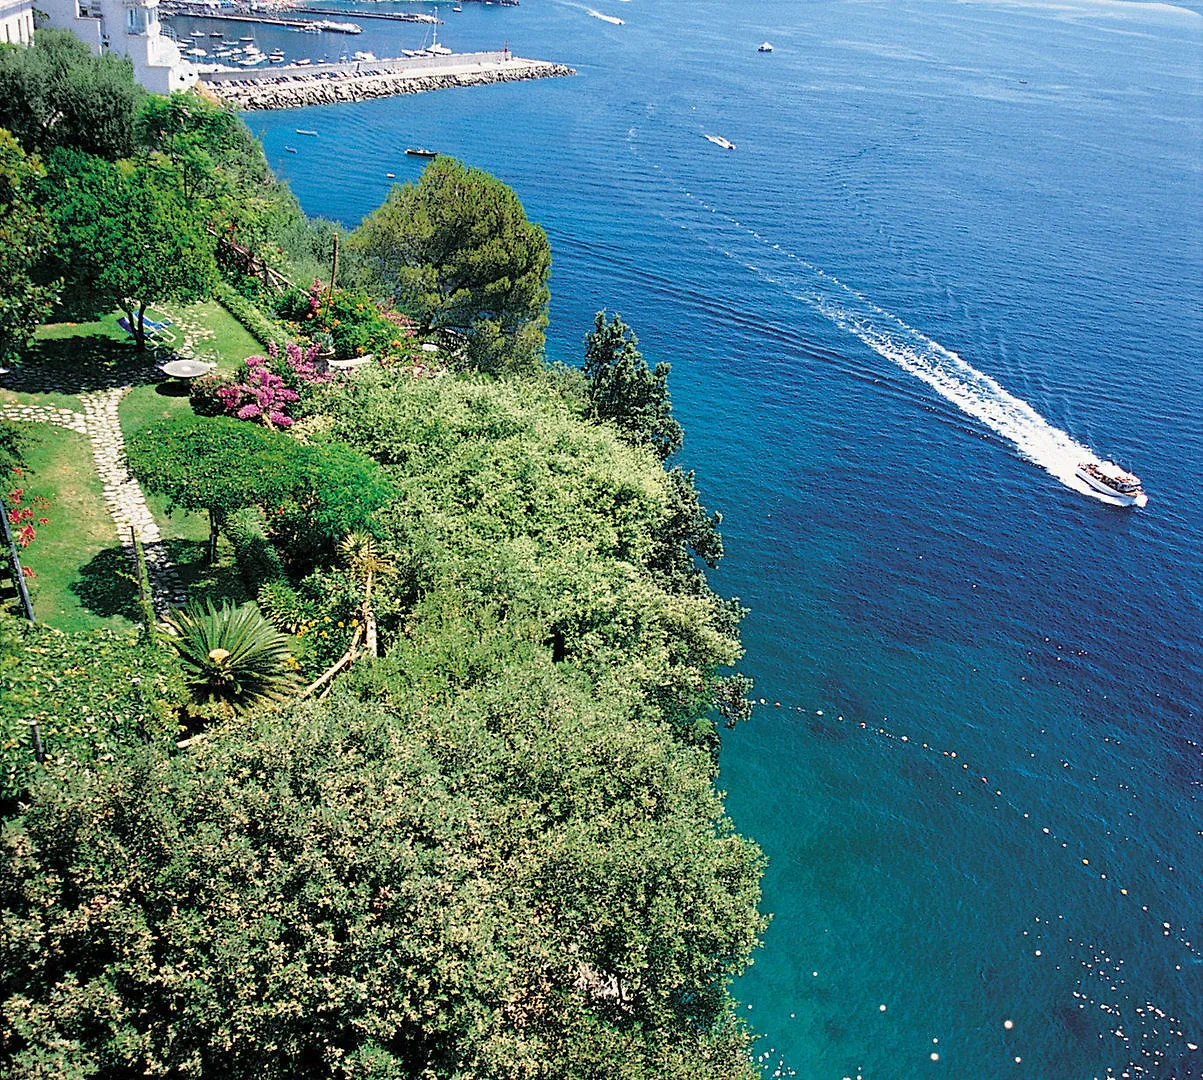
(1109, 479)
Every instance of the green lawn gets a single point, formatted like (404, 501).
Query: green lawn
(84, 578)
(214, 334)
(80, 566)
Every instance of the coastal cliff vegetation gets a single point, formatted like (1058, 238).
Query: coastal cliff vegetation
(430, 791)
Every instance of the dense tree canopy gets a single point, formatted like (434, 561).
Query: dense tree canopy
(125, 238)
(495, 850)
(208, 153)
(624, 392)
(517, 520)
(456, 251)
(56, 93)
(24, 237)
(509, 885)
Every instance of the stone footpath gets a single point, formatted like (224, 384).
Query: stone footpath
(122, 494)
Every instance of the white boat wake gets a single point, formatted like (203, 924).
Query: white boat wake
(606, 18)
(973, 392)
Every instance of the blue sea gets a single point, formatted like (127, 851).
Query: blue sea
(958, 248)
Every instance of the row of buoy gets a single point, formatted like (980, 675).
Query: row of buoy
(1100, 965)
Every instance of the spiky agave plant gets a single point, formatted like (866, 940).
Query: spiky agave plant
(231, 655)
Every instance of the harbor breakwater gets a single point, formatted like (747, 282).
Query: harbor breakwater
(295, 86)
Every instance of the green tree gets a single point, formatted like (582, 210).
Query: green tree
(208, 153)
(24, 237)
(517, 884)
(57, 93)
(215, 465)
(314, 494)
(624, 392)
(124, 238)
(456, 251)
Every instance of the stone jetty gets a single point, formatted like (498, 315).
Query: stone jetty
(295, 86)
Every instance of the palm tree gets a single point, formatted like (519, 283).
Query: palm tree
(231, 656)
(358, 550)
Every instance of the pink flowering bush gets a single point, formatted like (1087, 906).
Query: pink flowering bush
(269, 390)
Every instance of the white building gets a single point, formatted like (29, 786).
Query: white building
(16, 22)
(127, 28)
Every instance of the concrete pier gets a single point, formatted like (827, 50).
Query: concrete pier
(292, 87)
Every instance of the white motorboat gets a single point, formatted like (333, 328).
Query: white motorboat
(766, 47)
(1109, 479)
(718, 140)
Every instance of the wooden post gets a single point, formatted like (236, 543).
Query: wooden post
(333, 275)
(145, 597)
(18, 574)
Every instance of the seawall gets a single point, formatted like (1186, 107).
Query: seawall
(292, 87)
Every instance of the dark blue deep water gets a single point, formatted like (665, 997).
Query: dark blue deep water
(959, 245)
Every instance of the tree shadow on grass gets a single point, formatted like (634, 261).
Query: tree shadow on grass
(202, 581)
(106, 585)
(76, 365)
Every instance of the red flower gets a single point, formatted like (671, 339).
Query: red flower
(28, 572)
(43, 521)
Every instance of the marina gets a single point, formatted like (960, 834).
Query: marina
(359, 13)
(169, 8)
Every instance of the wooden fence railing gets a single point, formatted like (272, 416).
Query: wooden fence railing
(242, 257)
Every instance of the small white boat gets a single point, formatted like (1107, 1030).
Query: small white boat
(765, 47)
(363, 56)
(303, 62)
(1109, 479)
(718, 140)
(198, 33)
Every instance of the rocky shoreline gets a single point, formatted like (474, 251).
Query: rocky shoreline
(295, 87)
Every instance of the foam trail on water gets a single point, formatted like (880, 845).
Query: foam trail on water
(973, 392)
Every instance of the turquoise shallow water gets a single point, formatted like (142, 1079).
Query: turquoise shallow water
(957, 246)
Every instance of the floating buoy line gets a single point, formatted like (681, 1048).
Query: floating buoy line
(1158, 1042)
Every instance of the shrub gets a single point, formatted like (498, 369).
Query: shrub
(512, 886)
(258, 325)
(90, 692)
(258, 560)
(356, 325)
(207, 395)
